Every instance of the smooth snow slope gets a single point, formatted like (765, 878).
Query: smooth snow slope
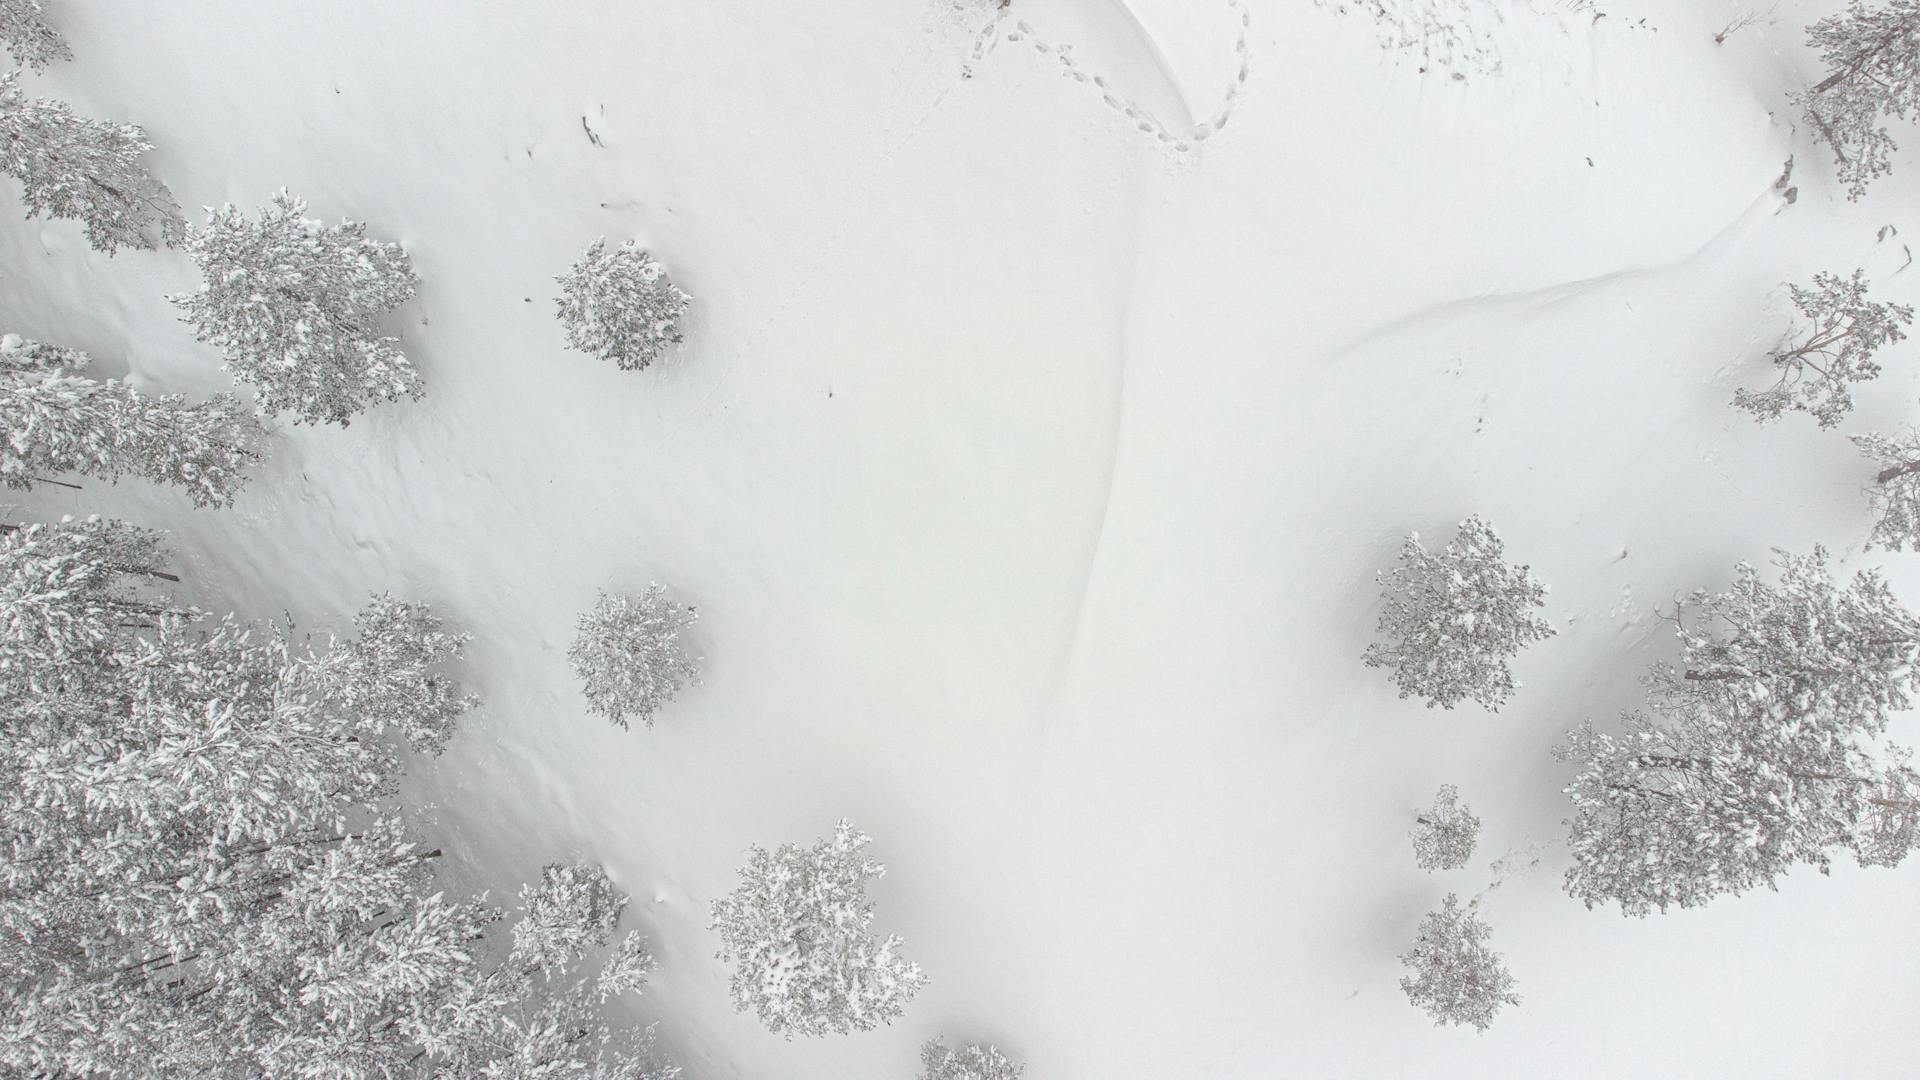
(1030, 477)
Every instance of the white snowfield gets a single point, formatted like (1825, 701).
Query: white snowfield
(1030, 474)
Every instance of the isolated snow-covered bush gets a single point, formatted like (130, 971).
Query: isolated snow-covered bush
(54, 420)
(1758, 752)
(795, 931)
(618, 304)
(1872, 55)
(295, 306)
(1444, 834)
(628, 655)
(28, 36)
(1820, 360)
(1895, 493)
(1452, 619)
(88, 170)
(201, 873)
(1456, 977)
(974, 1062)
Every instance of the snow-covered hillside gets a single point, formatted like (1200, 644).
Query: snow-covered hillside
(1030, 473)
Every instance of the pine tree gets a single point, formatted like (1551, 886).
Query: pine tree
(628, 656)
(1758, 752)
(89, 170)
(1444, 834)
(1819, 361)
(1895, 493)
(972, 1062)
(1456, 977)
(795, 931)
(295, 306)
(618, 304)
(1452, 619)
(57, 420)
(1872, 54)
(201, 873)
(28, 36)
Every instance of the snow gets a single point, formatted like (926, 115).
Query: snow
(1030, 478)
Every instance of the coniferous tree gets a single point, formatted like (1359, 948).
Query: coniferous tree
(1895, 493)
(1872, 54)
(973, 1062)
(1457, 978)
(1758, 752)
(1453, 618)
(628, 655)
(1830, 352)
(201, 874)
(295, 306)
(618, 304)
(88, 170)
(57, 420)
(795, 931)
(28, 36)
(1444, 834)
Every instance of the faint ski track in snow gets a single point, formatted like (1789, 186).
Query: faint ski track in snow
(1070, 640)
(1560, 290)
(1143, 119)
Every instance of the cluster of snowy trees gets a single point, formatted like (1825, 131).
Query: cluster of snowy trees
(57, 420)
(202, 872)
(1760, 750)
(294, 305)
(1451, 621)
(1452, 973)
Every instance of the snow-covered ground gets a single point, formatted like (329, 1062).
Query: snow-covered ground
(1030, 473)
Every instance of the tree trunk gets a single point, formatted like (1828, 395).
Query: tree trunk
(1894, 472)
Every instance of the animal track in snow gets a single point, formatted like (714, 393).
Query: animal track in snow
(1003, 26)
(1466, 37)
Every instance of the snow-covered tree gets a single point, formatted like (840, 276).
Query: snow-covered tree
(28, 36)
(1872, 54)
(391, 673)
(1452, 619)
(56, 420)
(795, 931)
(201, 874)
(573, 909)
(618, 304)
(973, 1062)
(1895, 493)
(295, 305)
(88, 170)
(1759, 751)
(1828, 351)
(1444, 834)
(628, 655)
(1457, 978)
